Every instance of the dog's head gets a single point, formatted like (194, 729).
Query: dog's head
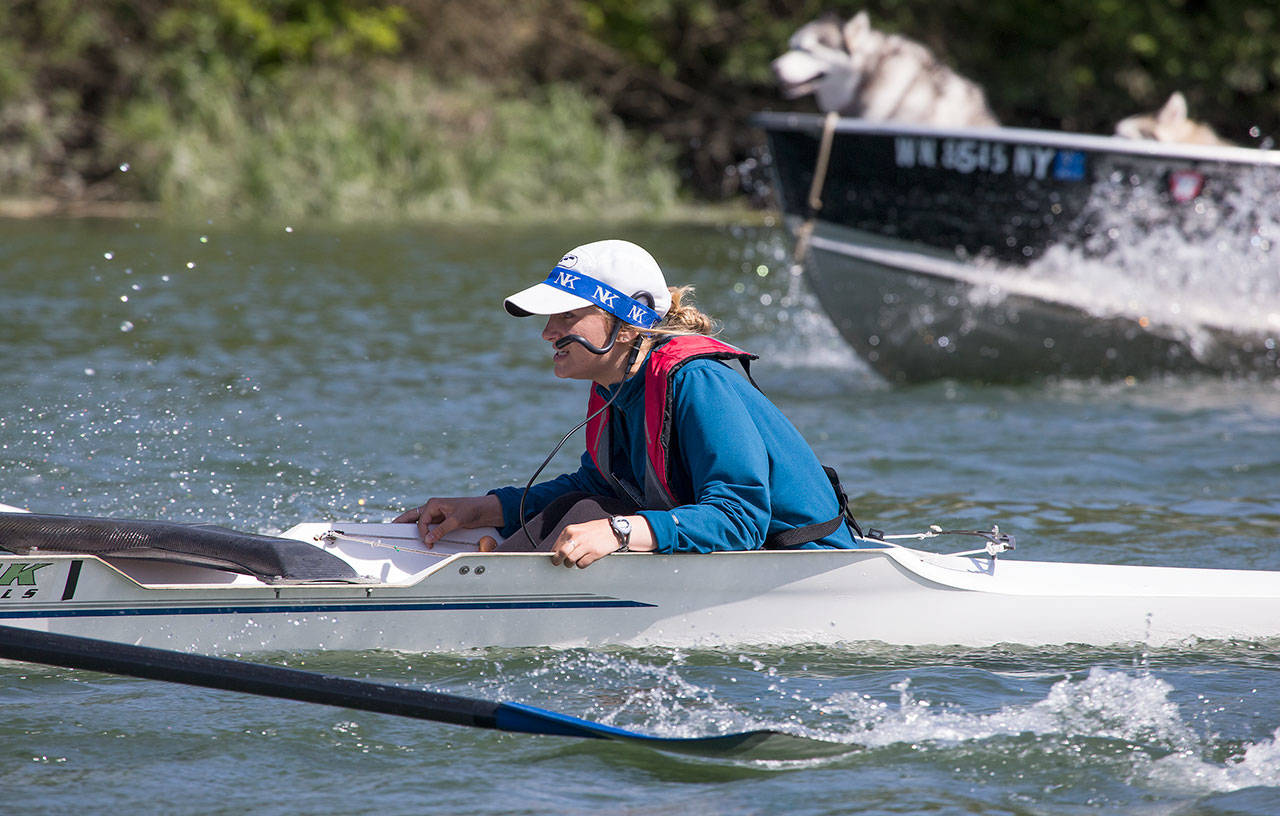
(1169, 124)
(811, 53)
(827, 59)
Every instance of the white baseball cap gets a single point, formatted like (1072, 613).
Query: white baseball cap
(614, 275)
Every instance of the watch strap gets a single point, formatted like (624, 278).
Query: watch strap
(622, 531)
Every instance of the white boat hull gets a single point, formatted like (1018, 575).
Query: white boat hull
(457, 599)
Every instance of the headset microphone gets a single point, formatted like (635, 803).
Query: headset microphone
(587, 344)
(563, 342)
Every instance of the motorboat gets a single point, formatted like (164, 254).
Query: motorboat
(1005, 254)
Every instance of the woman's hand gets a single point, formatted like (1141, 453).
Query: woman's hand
(581, 545)
(451, 514)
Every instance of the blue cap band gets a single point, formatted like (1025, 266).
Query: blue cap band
(623, 307)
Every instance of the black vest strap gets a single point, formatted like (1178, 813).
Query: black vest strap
(790, 539)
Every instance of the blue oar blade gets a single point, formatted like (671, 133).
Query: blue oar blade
(532, 720)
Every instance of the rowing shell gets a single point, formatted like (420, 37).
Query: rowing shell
(374, 586)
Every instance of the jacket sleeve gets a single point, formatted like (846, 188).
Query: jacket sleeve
(728, 464)
(586, 479)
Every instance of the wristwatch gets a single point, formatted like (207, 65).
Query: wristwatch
(622, 529)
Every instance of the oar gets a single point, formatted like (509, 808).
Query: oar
(293, 684)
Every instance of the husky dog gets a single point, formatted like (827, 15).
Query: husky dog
(1169, 124)
(855, 70)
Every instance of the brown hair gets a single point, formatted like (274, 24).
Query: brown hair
(684, 317)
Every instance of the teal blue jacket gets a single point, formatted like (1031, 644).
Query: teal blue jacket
(741, 468)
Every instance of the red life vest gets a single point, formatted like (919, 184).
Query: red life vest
(659, 399)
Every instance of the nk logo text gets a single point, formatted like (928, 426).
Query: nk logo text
(19, 580)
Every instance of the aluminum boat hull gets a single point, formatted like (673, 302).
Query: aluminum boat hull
(929, 248)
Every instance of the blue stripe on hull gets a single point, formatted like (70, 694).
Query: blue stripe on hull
(312, 608)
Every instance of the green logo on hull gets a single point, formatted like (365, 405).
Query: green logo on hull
(21, 574)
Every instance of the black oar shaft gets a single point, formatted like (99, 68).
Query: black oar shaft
(143, 662)
(147, 663)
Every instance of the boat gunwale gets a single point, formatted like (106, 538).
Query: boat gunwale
(1142, 148)
(962, 570)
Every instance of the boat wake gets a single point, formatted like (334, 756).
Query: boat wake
(1108, 721)
(1134, 713)
(1257, 764)
(1106, 705)
(1205, 263)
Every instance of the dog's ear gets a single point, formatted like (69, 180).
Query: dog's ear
(856, 29)
(1174, 111)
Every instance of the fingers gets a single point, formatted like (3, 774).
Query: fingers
(446, 526)
(432, 512)
(408, 516)
(425, 511)
(581, 545)
(562, 550)
(451, 514)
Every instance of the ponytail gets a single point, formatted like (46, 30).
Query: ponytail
(684, 317)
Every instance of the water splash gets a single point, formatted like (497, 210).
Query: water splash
(1257, 764)
(1106, 717)
(1210, 261)
(1105, 704)
(775, 313)
(642, 694)
(1134, 711)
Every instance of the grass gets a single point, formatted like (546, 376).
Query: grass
(389, 143)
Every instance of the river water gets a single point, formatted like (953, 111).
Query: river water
(259, 377)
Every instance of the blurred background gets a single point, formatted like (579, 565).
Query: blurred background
(428, 109)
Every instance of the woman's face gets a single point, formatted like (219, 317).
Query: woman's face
(576, 363)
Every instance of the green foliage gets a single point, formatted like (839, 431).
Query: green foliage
(1083, 64)
(1072, 64)
(328, 108)
(737, 39)
(388, 144)
(269, 33)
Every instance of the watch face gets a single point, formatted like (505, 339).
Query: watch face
(621, 525)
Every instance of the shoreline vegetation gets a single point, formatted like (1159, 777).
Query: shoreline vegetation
(529, 110)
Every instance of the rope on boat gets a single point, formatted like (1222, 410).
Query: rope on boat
(997, 542)
(814, 201)
(331, 536)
